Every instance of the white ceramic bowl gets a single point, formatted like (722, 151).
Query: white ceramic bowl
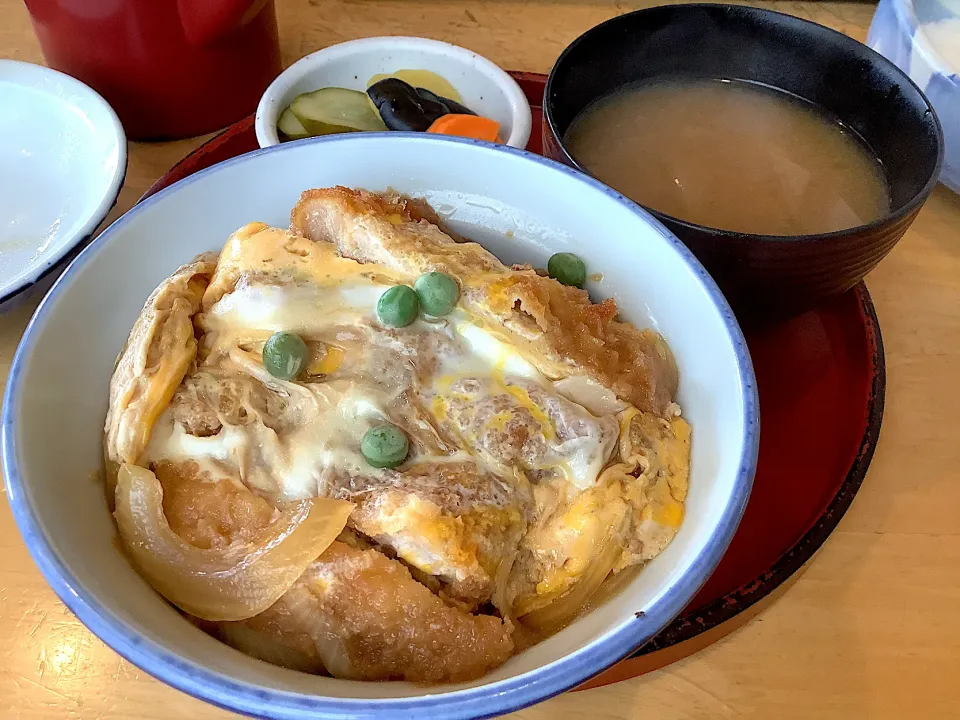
(63, 156)
(485, 88)
(57, 392)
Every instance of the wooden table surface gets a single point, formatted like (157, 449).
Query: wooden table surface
(871, 630)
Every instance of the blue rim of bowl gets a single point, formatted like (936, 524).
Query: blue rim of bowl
(893, 216)
(478, 702)
(71, 249)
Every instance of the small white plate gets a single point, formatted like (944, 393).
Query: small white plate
(63, 155)
(484, 87)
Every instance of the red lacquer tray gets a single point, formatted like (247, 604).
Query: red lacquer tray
(821, 382)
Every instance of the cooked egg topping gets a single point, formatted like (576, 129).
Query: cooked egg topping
(479, 394)
(518, 455)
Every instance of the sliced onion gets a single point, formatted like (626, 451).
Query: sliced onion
(232, 584)
(562, 610)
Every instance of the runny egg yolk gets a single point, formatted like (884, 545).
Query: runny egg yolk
(327, 363)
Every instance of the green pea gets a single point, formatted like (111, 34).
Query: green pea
(398, 306)
(568, 269)
(384, 446)
(438, 293)
(284, 355)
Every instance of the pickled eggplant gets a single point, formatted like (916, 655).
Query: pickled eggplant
(290, 126)
(437, 84)
(453, 107)
(335, 110)
(402, 108)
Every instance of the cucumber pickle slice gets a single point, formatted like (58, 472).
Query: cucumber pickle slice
(290, 126)
(333, 110)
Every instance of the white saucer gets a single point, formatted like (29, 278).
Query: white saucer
(63, 155)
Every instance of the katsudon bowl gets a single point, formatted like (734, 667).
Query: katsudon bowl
(521, 207)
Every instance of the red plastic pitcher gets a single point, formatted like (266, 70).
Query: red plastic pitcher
(170, 68)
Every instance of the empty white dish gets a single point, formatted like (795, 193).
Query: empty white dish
(484, 87)
(63, 155)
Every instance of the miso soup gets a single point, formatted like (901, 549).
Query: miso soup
(731, 155)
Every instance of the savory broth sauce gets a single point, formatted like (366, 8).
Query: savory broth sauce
(731, 155)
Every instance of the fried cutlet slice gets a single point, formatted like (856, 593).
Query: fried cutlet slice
(449, 520)
(443, 516)
(354, 613)
(210, 512)
(359, 615)
(557, 327)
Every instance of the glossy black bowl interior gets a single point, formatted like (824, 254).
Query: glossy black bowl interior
(846, 78)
